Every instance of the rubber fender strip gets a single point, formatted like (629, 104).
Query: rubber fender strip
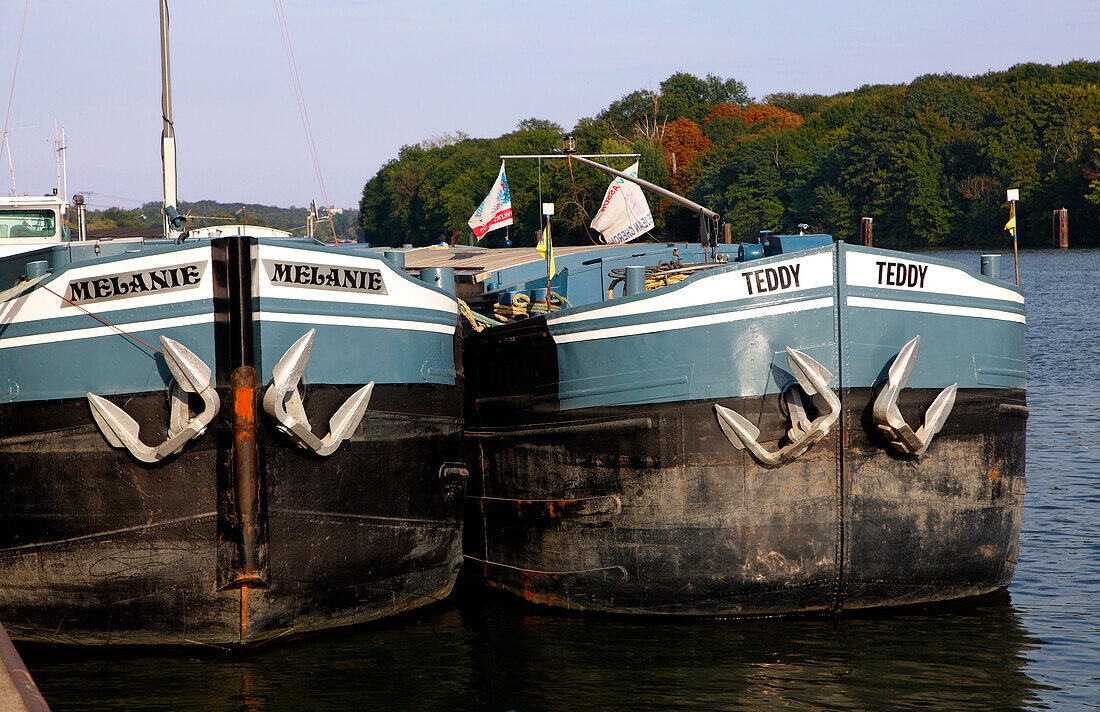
(1013, 410)
(503, 507)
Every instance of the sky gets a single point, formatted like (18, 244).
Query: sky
(376, 76)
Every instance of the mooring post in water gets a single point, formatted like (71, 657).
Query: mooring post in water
(1061, 228)
(866, 229)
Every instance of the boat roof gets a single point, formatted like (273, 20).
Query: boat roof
(33, 201)
(476, 264)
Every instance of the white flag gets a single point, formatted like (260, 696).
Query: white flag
(496, 210)
(624, 214)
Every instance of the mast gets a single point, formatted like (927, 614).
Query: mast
(705, 238)
(690, 205)
(168, 134)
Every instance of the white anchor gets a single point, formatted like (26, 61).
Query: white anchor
(889, 419)
(813, 378)
(283, 402)
(191, 375)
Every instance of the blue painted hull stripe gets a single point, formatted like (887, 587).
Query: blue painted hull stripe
(931, 308)
(364, 322)
(53, 337)
(650, 327)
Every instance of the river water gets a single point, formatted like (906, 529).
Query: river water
(1036, 647)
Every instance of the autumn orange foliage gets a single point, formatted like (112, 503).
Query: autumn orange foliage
(770, 116)
(683, 142)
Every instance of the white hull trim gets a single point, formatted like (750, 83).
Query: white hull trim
(696, 321)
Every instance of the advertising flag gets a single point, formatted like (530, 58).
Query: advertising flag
(496, 210)
(624, 214)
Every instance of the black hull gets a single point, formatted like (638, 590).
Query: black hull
(649, 509)
(96, 548)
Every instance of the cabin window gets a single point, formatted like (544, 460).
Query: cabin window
(27, 223)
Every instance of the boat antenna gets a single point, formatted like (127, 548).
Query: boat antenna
(19, 49)
(58, 142)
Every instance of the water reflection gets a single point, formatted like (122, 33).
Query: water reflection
(506, 656)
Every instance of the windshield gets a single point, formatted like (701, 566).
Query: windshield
(27, 223)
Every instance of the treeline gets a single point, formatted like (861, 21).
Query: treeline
(930, 161)
(205, 213)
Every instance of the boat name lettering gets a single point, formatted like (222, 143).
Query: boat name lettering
(326, 277)
(899, 274)
(129, 284)
(770, 279)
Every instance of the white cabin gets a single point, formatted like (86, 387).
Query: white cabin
(30, 222)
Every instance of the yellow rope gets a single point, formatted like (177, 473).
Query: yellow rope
(522, 307)
(653, 280)
(477, 321)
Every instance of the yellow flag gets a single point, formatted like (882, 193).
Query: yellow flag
(1011, 224)
(546, 249)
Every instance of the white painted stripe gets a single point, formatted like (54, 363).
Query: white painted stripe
(40, 305)
(867, 269)
(896, 305)
(364, 322)
(53, 337)
(691, 322)
(815, 271)
(401, 290)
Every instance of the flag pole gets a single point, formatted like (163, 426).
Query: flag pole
(1012, 195)
(548, 255)
(547, 211)
(1016, 259)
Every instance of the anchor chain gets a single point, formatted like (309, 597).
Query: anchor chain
(888, 418)
(190, 375)
(283, 402)
(813, 379)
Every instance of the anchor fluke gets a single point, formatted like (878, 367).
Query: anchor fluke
(737, 429)
(888, 417)
(813, 379)
(283, 402)
(190, 375)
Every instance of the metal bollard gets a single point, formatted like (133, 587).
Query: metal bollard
(991, 266)
(37, 268)
(635, 280)
(397, 259)
(442, 277)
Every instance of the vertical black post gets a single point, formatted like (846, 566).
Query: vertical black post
(704, 240)
(242, 522)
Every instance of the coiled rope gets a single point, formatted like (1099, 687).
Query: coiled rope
(477, 321)
(522, 307)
